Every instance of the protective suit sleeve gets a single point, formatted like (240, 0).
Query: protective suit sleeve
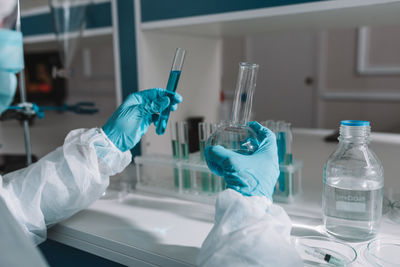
(63, 182)
(16, 248)
(248, 231)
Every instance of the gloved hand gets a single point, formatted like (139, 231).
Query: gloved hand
(132, 119)
(250, 175)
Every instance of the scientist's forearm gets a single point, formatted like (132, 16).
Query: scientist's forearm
(63, 182)
(248, 231)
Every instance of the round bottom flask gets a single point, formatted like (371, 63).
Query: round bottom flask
(236, 135)
(241, 139)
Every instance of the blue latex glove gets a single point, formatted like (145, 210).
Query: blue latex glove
(131, 120)
(250, 175)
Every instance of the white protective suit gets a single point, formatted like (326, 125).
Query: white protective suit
(15, 247)
(60, 184)
(248, 231)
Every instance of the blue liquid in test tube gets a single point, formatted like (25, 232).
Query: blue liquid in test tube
(171, 86)
(173, 80)
(281, 143)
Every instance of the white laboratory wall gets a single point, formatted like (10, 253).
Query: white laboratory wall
(233, 52)
(340, 72)
(288, 58)
(199, 85)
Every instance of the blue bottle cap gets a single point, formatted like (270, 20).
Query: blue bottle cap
(354, 123)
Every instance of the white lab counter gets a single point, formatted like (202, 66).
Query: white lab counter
(142, 230)
(148, 230)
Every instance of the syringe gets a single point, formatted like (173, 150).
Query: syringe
(171, 86)
(321, 255)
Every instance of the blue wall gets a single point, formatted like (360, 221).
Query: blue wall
(127, 50)
(153, 10)
(98, 16)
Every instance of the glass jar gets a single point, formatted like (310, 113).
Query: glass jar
(353, 185)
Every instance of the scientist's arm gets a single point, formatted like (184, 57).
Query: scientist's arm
(73, 176)
(249, 230)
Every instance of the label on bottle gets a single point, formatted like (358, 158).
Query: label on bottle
(353, 204)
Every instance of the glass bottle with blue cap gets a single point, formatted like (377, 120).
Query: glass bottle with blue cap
(353, 185)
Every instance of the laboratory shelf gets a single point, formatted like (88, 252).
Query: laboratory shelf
(311, 15)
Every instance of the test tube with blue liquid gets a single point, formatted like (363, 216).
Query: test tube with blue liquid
(172, 84)
(288, 159)
(175, 149)
(205, 177)
(289, 139)
(281, 144)
(284, 139)
(184, 152)
(217, 183)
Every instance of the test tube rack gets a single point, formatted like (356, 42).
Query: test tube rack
(165, 175)
(188, 179)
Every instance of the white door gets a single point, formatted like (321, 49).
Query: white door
(286, 79)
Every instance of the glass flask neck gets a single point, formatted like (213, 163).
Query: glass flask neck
(355, 134)
(246, 84)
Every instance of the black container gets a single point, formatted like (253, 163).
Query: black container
(193, 129)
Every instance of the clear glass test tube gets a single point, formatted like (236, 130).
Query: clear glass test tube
(272, 126)
(289, 138)
(281, 140)
(246, 84)
(184, 152)
(184, 140)
(205, 176)
(203, 135)
(178, 59)
(172, 84)
(175, 149)
(213, 128)
(217, 183)
(289, 158)
(176, 70)
(175, 139)
(268, 124)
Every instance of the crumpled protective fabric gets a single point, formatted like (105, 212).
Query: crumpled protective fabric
(63, 182)
(250, 175)
(248, 231)
(16, 248)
